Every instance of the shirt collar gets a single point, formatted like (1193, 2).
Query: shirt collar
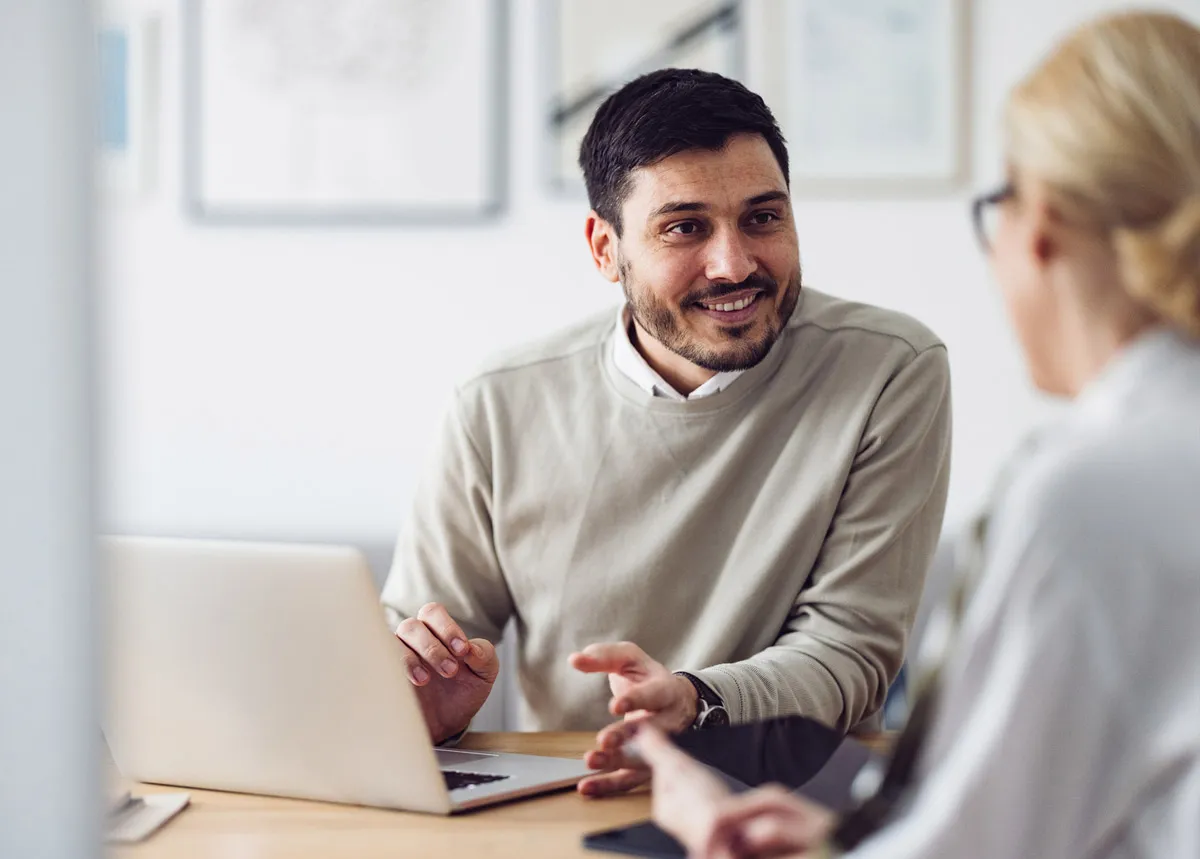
(1150, 360)
(631, 364)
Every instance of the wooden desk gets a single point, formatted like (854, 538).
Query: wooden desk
(236, 826)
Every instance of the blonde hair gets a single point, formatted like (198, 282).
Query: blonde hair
(1110, 121)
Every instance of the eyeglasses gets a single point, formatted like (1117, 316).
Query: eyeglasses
(985, 212)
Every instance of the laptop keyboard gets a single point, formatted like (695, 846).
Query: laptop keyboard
(456, 780)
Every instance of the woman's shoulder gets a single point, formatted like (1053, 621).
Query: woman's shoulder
(1100, 493)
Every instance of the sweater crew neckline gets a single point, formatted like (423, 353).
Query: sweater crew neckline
(748, 382)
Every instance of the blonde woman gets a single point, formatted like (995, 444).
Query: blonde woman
(1064, 720)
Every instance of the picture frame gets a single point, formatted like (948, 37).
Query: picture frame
(327, 112)
(128, 56)
(591, 50)
(876, 95)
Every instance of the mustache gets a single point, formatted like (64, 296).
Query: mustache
(765, 284)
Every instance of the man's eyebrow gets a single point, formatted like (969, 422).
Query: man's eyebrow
(671, 208)
(769, 197)
(756, 200)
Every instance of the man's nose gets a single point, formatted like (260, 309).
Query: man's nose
(729, 257)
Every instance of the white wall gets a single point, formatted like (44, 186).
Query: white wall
(287, 382)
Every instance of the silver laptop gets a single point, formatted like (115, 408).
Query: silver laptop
(269, 669)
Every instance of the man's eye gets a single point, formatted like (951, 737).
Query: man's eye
(761, 219)
(684, 228)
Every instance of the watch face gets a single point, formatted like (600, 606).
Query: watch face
(714, 717)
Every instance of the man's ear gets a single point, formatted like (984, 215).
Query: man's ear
(602, 242)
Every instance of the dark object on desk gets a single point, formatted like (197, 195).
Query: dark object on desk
(798, 753)
(638, 839)
(787, 751)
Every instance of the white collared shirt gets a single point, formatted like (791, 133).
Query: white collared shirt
(1069, 722)
(631, 363)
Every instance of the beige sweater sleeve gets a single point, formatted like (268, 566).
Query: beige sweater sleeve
(844, 640)
(445, 551)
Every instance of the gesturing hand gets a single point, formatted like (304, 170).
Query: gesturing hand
(644, 691)
(453, 676)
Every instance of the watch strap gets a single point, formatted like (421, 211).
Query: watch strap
(707, 698)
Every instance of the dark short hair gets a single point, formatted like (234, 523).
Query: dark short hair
(659, 115)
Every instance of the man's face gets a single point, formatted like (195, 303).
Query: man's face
(708, 258)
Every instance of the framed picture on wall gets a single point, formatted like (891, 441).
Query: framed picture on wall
(345, 111)
(876, 93)
(592, 49)
(127, 52)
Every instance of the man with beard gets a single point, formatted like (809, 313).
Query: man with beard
(740, 480)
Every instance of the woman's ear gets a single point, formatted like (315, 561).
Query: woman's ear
(1043, 247)
(602, 242)
(1043, 223)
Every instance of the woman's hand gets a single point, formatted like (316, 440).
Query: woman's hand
(767, 822)
(686, 795)
(692, 805)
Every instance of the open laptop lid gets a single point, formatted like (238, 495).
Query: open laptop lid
(228, 670)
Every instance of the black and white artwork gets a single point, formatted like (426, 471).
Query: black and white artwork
(876, 93)
(319, 111)
(592, 49)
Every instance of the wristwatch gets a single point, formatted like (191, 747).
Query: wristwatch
(710, 709)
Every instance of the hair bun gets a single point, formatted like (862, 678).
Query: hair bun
(1161, 264)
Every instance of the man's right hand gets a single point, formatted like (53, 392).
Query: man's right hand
(452, 675)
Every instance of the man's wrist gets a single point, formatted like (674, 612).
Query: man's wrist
(709, 706)
(691, 701)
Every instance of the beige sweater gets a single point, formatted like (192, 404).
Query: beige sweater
(772, 538)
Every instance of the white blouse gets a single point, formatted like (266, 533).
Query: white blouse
(1069, 725)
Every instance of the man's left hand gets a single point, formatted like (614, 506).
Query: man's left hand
(643, 691)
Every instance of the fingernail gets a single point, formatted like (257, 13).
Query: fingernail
(458, 646)
(420, 675)
(448, 668)
(477, 650)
